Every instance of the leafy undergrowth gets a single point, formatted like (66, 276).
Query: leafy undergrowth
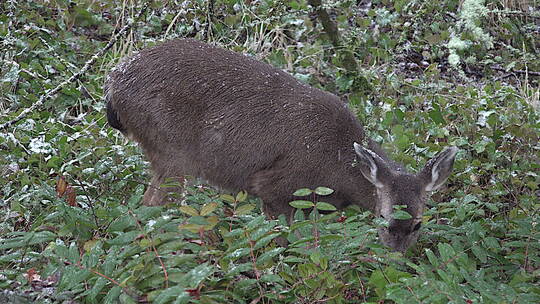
(73, 229)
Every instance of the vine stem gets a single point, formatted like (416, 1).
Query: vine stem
(77, 75)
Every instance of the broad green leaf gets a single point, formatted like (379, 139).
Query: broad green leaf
(241, 196)
(325, 206)
(300, 204)
(206, 209)
(378, 280)
(293, 259)
(446, 251)
(246, 284)
(431, 257)
(265, 240)
(212, 222)
(263, 258)
(323, 191)
(236, 269)
(124, 238)
(112, 295)
(24, 239)
(189, 210)
(436, 114)
(300, 224)
(402, 215)
(198, 274)
(244, 209)
(480, 253)
(271, 278)
(176, 293)
(256, 222)
(302, 192)
(238, 253)
(228, 198)
(262, 230)
(195, 228)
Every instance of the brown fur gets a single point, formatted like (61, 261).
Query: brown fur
(241, 124)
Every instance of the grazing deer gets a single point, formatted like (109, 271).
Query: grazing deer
(241, 124)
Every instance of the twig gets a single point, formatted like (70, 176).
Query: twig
(532, 73)
(331, 29)
(76, 76)
(209, 20)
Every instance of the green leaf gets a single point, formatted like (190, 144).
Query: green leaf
(300, 204)
(198, 274)
(124, 238)
(256, 222)
(323, 191)
(263, 258)
(302, 192)
(265, 240)
(238, 253)
(446, 251)
(244, 209)
(325, 206)
(206, 209)
(112, 295)
(480, 253)
(315, 257)
(271, 278)
(436, 115)
(300, 224)
(402, 215)
(228, 198)
(431, 257)
(378, 280)
(189, 210)
(24, 239)
(176, 293)
(241, 196)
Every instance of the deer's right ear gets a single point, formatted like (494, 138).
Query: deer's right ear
(438, 168)
(371, 165)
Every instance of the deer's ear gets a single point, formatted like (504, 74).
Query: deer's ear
(372, 166)
(438, 169)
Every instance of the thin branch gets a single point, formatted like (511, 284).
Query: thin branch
(331, 29)
(76, 76)
(209, 19)
(329, 26)
(498, 68)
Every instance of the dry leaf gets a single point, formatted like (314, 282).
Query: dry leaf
(61, 186)
(71, 196)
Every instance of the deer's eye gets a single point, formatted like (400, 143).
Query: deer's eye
(417, 226)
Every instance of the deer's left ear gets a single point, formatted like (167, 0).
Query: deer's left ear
(372, 166)
(438, 169)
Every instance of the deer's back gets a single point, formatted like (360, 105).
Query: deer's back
(223, 116)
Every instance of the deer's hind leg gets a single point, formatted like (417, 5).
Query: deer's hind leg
(167, 182)
(272, 186)
(163, 190)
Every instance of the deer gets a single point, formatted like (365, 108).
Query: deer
(240, 124)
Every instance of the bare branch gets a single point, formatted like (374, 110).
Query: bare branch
(77, 75)
(331, 29)
(530, 73)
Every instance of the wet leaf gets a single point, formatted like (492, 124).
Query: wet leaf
(300, 204)
(189, 210)
(323, 191)
(302, 192)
